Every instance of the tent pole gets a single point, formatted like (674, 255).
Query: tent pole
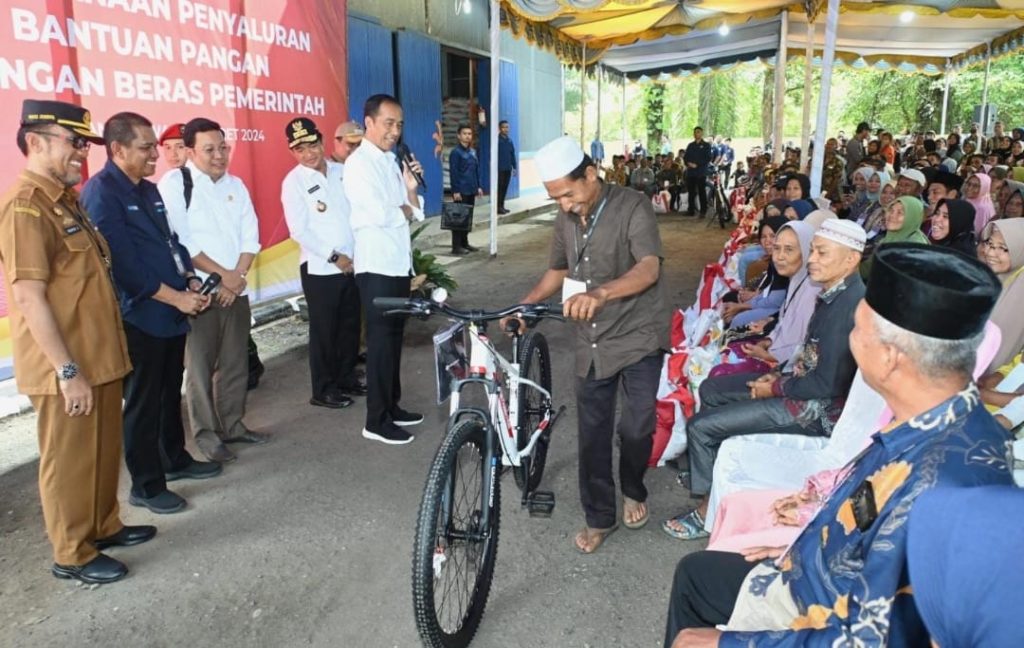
(805, 134)
(495, 118)
(625, 143)
(600, 73)
(780, 88)
(984, 94)
(945, 99)
(561, 128)
(821, 126)
(583, 97)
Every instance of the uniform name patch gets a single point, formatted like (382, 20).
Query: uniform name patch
(312, 189)
(73, 229)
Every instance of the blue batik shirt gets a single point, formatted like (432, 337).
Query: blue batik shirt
(851, 587)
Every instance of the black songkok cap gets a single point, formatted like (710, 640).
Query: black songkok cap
(301, 130)
(930, 290)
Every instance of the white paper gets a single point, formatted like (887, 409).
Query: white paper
(572, 287)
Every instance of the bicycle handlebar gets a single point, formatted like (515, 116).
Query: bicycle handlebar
(426, 307)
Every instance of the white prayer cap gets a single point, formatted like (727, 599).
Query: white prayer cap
(915, 175)
(843, 232)
(558, 158)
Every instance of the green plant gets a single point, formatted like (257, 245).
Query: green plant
(434, 275)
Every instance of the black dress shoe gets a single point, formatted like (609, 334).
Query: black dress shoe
(100, 570)
(127, 536)
(504, 211)
(195, 470)
(472, 248)
(253, 438)
(333, 401)
(355, 389)
(460, 251)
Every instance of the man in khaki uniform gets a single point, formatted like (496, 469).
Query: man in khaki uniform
(69, 346)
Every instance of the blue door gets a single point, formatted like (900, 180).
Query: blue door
(371, 64)
(508, 105)
(419, 90)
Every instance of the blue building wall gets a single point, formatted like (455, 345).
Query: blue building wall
(418, 60)
(371, 64)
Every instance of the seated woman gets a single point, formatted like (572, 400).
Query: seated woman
(903, 220)
(977, 192)
(1004, 385)
(790, 255)
(874, 223)
(798, 187)
(952, 226)
(1002, 248)
(770, 291)
(798, 209)
(752, 253)
(1011, 200)
(861, 201)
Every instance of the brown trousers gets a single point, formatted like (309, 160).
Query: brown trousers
(217, 360)
(79, 465)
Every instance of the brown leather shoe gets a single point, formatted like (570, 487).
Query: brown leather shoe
(215, 451)
(254, 438)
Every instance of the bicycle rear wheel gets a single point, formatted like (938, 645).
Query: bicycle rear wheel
(453, 557)
(535, 365)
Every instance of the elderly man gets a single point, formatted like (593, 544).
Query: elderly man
(606, 263)
(68, 339)
(806, 396)
(844, 580)
(910, 183)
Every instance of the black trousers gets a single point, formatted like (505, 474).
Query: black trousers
(504, 178)
(726, 410)
(696, 190)
(334, 324)
(595, 408)
(154, 436)
(676, 191)
(383, 347)
(704, 591)
(461, 239)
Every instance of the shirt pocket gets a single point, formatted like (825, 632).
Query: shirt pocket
(77, 242)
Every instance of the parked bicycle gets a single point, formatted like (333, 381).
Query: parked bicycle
(718, 203)
(457, 531)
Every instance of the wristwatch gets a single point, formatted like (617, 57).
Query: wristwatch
(67, 371)
(188, 282)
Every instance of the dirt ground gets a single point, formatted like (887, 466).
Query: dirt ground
(307, 541)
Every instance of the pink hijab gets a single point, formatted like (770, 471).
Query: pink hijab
(984, 209)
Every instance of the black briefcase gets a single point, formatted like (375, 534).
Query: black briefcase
(457, 216)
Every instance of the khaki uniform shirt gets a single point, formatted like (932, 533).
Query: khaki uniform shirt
(626, 330)
(45, 235)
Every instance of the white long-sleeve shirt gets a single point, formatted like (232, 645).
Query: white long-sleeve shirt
(317, 212)
(220, 221)
(376, 192)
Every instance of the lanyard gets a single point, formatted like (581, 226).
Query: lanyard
(586, 236)
(785, 307)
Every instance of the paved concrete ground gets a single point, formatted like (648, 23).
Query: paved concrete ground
(308, 540)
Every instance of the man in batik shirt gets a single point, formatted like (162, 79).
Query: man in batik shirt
(844, 580)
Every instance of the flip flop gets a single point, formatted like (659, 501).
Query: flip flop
(692, 524)
(601, 534)
(632, 503)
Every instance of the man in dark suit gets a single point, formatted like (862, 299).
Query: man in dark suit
(158, 289)
(697, 158)
(506, 163)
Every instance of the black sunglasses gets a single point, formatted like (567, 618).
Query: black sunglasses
(77, 142)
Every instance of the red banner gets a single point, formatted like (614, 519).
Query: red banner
(251, 66)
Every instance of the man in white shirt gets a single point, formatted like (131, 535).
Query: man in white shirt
(317, 213)
(213, 215)
(384, 201)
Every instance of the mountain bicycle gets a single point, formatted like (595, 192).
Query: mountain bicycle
(718, 203)
(457, 530)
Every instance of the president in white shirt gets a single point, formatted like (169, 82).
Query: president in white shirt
(213, 215)
(384, 201)
(317, 213)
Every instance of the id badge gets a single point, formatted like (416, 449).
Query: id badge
(178, 262)
(572, 287)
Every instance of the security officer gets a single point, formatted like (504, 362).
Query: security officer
(464, 171)
(317, 213)
(69, 344)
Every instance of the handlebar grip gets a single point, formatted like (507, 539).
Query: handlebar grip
(393, 303)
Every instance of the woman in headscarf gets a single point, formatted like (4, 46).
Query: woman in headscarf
(953, 147)
(1009, 189)
(952, 226)
(903, 220)
(754, 252)
(964, 548)
(1014, 206)
(976, 192)
(768, 294)
(862, 200)
(874, 222)
(798, 187)
(798, 209)
(1002, 248)
(790, 256)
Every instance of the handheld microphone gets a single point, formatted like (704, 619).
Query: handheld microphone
(211, 283)
(406, 156)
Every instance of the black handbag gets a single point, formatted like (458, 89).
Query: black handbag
(457, 216)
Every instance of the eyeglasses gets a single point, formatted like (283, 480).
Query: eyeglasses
(77, 142)
(995, 247)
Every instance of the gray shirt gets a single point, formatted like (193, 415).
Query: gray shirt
(625, 231)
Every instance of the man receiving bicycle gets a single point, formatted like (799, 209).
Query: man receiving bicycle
(606, 260)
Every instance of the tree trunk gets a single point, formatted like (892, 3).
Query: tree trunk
(767, 104)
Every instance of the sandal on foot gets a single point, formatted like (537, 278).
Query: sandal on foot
(691, 526)
(628, 504)
(590, 534)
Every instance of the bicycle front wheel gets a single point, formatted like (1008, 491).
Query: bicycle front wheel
(454, 554)
(535, 365)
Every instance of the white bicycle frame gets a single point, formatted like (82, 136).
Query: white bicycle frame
(485, 363)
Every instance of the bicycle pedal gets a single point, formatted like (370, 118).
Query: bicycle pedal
(541, 504)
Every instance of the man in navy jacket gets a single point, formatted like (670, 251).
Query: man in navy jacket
(157, 289)
(506, 163)
(464, 172)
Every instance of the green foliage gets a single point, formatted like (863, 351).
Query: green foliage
(427, 265)
(654, 114)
